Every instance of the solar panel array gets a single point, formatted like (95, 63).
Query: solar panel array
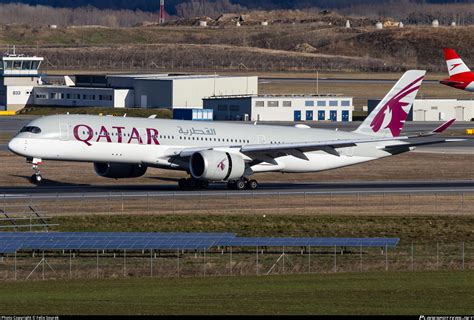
(108, 241)
(305, 242)
(11, 242)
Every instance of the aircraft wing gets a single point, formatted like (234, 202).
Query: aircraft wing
(268, 152)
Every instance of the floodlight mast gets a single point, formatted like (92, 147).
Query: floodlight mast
(162, 11)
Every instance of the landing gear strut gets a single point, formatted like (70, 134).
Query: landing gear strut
(191, 183)
(242, 183)
(36, 178)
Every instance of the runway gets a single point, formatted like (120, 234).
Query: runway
(269, 189)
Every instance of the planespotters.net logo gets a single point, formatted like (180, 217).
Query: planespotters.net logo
(446, 318)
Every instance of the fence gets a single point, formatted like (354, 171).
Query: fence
(234, 261)
(211, 202)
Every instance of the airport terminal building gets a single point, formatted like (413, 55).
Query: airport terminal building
(281, 107)
(21, 85)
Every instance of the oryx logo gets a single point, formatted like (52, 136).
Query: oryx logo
(454, 66)
(392, 114)
(221, 165)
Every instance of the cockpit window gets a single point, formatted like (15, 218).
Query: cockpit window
(31, 129)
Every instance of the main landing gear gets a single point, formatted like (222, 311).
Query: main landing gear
(242, 183)
(36, 178)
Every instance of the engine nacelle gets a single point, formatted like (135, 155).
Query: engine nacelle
(119, 170)
(216, 165)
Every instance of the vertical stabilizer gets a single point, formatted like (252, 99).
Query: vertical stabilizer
(454, 62)
(388, 118)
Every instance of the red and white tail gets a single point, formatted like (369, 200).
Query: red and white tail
(454, 62)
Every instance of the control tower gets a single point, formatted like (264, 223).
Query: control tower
(18, 76)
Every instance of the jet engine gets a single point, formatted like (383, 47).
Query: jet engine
(216, 165)
(119, 170)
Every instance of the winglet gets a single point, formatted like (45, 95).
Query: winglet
(444, 126)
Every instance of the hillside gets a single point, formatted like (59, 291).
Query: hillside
(303, 46)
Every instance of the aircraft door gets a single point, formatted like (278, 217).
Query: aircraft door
(64, 131)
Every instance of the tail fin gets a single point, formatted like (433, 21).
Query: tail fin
(454, 62)
(388, 118)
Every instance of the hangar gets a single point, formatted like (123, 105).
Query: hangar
(281, 107)
(443, 110)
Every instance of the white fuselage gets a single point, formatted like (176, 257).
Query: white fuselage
(158, 142)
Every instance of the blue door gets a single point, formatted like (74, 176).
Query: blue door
(333, 115)
(345, 115)
(309, 115)
(321, 115)
(297, 115)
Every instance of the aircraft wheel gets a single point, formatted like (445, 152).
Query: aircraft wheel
(36, 178)
(252, 184)
(240, 184)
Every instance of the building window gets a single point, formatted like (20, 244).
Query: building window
(105, 97)
(287, 103)
(333, 103)
(88, 96)
(272, 103)
(259, 104)
(321, 103)
(345, 103)
(54, 96)
(309, 103)
(434, 108)
(222, 108)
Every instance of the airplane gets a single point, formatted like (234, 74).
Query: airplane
(460, 76)
(211, 151)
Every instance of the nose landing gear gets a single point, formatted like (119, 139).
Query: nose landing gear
(36, 178)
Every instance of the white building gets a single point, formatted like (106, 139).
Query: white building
(189, 91)
(18, 77)
(443, 110)
(62, 96)
(281, 107)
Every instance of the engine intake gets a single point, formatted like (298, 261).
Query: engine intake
(119, 170)
(216, 165)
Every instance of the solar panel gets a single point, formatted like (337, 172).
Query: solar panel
(14, 241)
(316, 242)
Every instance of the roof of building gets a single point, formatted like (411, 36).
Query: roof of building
(287, 96)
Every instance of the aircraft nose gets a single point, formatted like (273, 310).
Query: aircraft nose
(15, 145)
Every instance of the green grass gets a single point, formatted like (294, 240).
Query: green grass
(443, 293)
(419, 229)
(132, 112)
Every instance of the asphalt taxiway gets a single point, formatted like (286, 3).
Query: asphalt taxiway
(99, 191)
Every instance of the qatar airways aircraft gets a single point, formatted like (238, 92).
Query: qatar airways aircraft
(122, 147)
(460, 76)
